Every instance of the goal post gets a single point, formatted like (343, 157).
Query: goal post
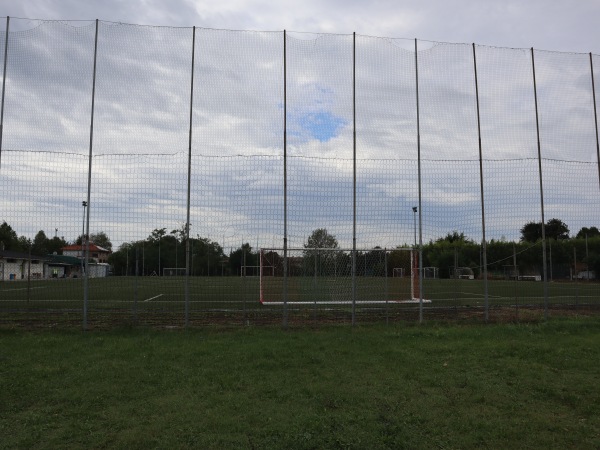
(415, 280)
(462, 273)
(173, 271)
(325, 276)
(431, 272)
(398, 272)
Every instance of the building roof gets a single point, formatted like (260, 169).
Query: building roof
(62, 260)
(19, 255)
(93, 248)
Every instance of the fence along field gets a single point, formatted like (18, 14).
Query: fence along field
(233, 300)
(194, 148)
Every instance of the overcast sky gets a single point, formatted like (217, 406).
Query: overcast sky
(562, 25)
(139, 176)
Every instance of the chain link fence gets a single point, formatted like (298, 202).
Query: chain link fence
(188, 176)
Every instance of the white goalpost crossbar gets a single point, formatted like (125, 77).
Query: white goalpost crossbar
(173, 271)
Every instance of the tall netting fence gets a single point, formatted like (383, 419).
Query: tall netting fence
(188, 176)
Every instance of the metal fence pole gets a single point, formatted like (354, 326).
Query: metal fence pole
(595, 116)
(89, 190)
(483, 239)
(189, 183)
(539, 149)
(575, 276)
(420, 187)
(354, 179)
(135, 287)
(285, 231)
(516, 275)
(3, 87)
(387, 288)
(244, 287)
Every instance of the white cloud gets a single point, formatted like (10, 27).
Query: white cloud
(142, 124)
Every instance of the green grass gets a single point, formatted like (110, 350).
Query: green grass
(117, 301)
(474, 386)
(211, 292)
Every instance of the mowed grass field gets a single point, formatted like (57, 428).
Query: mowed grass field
(237, 292)
(376, 387)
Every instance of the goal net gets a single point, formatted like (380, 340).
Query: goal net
(462, 273)
(325, 276)
(398, 272)
(173, 271)
(431, 272)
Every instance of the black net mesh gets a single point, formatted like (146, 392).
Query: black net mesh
(146, 166)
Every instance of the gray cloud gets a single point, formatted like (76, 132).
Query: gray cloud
(142, 119)
(543, 24)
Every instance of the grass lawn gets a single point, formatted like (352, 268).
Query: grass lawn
(430, 386)
(210, 292)
(117, 301)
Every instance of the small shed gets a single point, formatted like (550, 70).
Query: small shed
(18, 265)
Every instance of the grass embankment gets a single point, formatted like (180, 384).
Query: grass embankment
(498, 386)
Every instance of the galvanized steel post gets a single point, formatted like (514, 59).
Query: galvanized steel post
(539, 150)
(89, 188)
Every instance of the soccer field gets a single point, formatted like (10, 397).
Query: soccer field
(234, 295)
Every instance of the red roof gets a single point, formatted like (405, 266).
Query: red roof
(93, 248)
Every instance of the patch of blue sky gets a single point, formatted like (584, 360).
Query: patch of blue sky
(322, 125)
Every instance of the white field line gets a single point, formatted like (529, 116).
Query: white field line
(483, 295)
(152, 298)
(23, 289)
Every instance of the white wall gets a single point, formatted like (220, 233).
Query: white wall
(20, 269)
(98, 270)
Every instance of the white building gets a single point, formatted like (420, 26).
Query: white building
(19, 266)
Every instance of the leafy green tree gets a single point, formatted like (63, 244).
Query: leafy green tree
(457, 237)
(207, 257)
(155, 255)
(321, 238)
(453, 250)
(40, 244)
(55, 245)
(593, 262)
(242, 256)
(589, 232)
(8, 238)
(180, 233)
(371, 263)
(324, 262)
(157, 234)
(24, 244)
(399, 259)
(556, 229)
(101, 239)
(531, 232)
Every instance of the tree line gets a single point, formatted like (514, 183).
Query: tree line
(41, 244)
(565, 254)
(162, 250)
